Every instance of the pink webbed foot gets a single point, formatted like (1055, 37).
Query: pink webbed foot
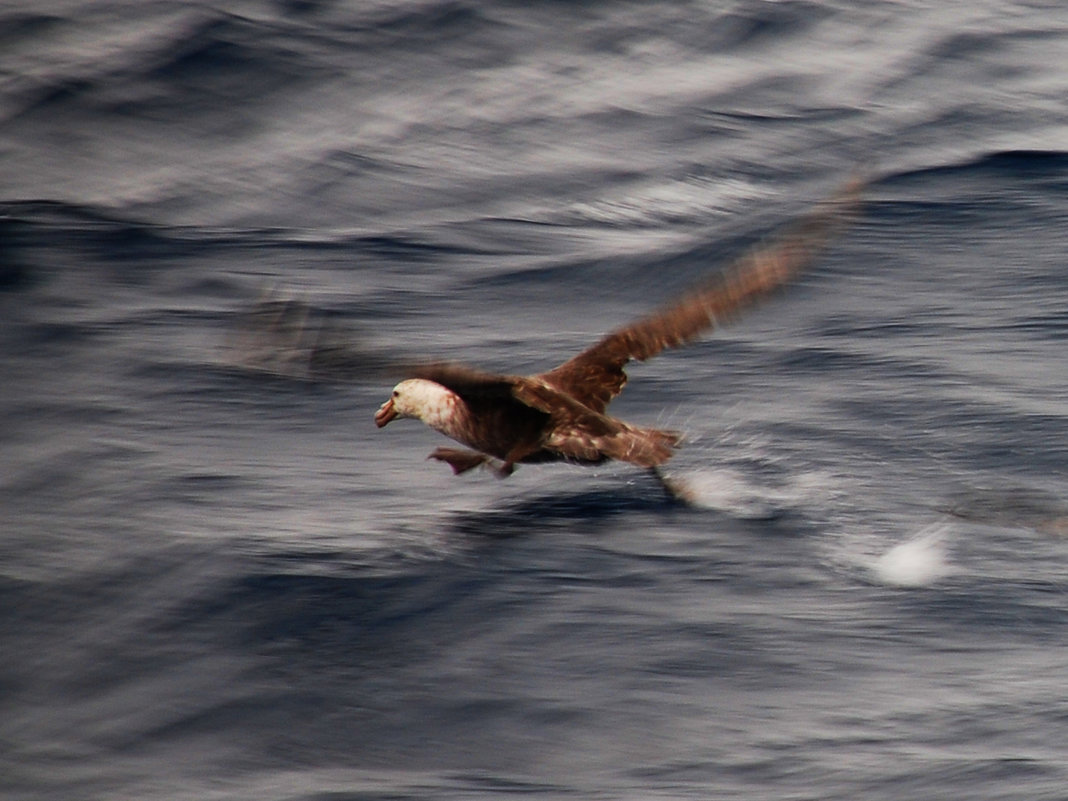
(459, 460)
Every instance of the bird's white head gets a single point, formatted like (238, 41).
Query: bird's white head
(424, 400)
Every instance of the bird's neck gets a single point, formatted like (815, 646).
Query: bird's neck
(446, 413)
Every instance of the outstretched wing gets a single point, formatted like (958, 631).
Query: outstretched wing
(596, 375)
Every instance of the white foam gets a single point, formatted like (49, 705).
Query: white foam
(918, 561)
(740, 495)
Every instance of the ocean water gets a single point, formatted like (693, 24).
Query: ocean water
(218, 580)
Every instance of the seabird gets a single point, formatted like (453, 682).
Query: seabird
(561, 415)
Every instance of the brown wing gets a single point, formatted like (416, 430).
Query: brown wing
(579, 433)
(596, 375)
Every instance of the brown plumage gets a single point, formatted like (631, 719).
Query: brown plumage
(561, 415)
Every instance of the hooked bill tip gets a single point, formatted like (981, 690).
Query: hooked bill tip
(385, 413)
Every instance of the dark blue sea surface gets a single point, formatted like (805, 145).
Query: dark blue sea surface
(219, 580)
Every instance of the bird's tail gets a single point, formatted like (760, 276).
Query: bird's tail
(647, 447)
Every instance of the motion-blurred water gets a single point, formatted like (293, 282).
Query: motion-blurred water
(219, 581)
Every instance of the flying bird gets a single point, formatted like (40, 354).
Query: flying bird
(561, 415)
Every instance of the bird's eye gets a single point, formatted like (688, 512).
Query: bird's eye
(396, 393)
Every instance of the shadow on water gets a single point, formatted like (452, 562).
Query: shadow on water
(585, 511)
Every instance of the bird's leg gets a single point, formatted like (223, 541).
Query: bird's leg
(459, 460)
(676, 490)
(518, 452)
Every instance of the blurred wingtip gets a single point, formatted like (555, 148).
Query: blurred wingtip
(284, 335)
(848, 199)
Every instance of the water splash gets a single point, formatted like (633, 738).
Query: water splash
(743, 495)
(918, 561)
